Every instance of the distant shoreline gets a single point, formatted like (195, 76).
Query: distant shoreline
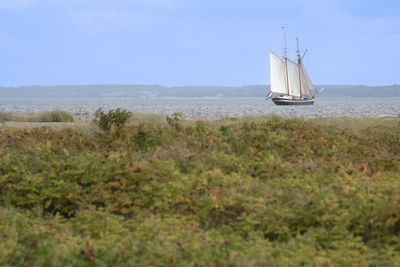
(158, 91)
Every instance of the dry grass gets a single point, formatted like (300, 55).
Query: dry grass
(33, 125)
(150, 118)
(30, 121)
(48, 116)
(357, 123)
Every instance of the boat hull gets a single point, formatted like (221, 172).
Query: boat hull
(288, 101)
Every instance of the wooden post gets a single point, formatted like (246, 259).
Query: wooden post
(80, 115)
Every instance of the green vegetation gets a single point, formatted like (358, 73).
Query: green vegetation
(175, 121)
(277, 192)
(49, 116)
(52, 116)
(112, 119)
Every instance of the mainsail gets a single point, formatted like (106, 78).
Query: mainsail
(278, 74)
(293, 77)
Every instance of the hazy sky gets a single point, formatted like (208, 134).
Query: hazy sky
(195, 42)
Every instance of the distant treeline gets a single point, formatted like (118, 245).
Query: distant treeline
(145, 91)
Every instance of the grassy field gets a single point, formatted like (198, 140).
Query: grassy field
(254, 191)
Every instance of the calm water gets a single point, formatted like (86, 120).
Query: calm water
(323, 107)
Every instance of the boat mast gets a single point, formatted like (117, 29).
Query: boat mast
(286, 65)
(299, 63)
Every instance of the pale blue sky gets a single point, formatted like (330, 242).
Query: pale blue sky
(195, 42)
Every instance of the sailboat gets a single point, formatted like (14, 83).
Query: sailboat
(290, 83)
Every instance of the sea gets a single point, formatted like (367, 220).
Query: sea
(212, 107)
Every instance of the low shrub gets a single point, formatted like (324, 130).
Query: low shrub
(175, 121)
(112, 119)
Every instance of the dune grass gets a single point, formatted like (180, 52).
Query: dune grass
(358, 122)
(351, 122)
(149, 118)
(48, 116)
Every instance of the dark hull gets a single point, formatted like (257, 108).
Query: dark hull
(286, 101)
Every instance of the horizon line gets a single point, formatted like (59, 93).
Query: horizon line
(177, 86)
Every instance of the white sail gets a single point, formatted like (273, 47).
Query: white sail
(278, 74)
(306, 84)
(293, 74)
